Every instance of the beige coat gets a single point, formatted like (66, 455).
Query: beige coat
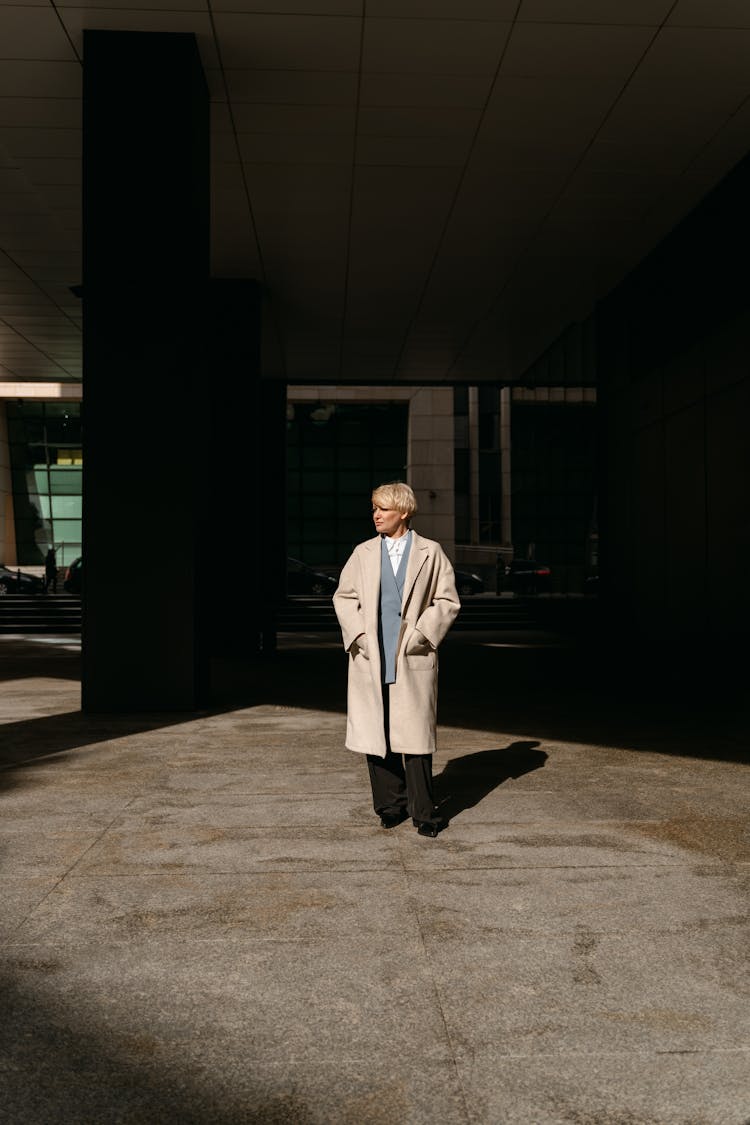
(429, 607)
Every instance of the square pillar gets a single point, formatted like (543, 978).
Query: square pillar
(146, 264)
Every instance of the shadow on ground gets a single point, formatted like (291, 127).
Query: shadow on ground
(466, 781)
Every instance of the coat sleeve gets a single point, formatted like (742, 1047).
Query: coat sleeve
(347, 602)
(437, 618)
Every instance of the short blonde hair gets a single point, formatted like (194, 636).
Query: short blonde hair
(395, 494)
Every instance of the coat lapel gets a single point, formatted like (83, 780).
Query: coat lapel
(417, 556)
(372, 581)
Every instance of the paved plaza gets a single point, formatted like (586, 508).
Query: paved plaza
(204, 923)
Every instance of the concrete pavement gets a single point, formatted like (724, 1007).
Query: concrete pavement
(203, 922)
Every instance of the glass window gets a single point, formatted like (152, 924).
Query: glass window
(354, 456)
(341, 458)
(317, 457)
(66, 507)
(320, 482)
(63, 431)
(67, 531)
(315, 506)
(41, 505)
(36, 456)
(359, 483)
(40, 477)
(62, 410)
(65, 480)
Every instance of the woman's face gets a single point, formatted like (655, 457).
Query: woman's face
(389, 521)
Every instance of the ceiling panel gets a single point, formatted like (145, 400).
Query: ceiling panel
(685, 113)
(425, 90)
(22, 142)
(94, 6)
(29, 78)
(557, 50)
(433, 46)
(60, 113)
(417, 122)
(649, 12)
(711, 13)
(32, 33)
(291, 7)
(280, 120)
(288, 42)
(270, 148)
(727, 147)
(704, 56)
(539, 111)
(437, 152)
(444, 9)
(292, 87)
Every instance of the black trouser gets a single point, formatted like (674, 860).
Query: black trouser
(401, 781)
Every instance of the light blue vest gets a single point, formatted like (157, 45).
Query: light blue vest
(391, 596)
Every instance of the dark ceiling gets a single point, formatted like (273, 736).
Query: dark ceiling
(429, 189)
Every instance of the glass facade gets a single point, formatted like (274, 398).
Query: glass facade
(554, 485)
(46, 464)
(336, 455)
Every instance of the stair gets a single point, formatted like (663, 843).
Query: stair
(45, 613)
(61, 613)
(316, 615)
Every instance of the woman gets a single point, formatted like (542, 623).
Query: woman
(395, 601)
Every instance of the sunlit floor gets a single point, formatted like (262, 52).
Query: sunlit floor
(203, 921)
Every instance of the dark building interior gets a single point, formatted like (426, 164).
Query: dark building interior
(517, 195)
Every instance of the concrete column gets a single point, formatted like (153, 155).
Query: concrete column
(506, 529)
(474, 464)
(232, 465)
(7, 524)
(430, 464)
(246, 519)
(146, 263)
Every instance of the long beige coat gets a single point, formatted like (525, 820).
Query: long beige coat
(429, 607)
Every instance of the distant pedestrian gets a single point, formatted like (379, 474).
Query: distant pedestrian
(50, 571)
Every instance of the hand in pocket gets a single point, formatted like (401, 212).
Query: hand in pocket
(418, 644)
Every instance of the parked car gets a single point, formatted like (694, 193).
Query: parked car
(302, 579)
(17, 582)
(527, 576)
(591, 585)
(467, 583)
(73, 580)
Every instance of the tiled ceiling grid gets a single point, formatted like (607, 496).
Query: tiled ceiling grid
(429, 189)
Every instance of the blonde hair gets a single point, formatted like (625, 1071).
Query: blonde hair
(395, 494)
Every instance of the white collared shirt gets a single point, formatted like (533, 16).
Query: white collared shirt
(396, 548)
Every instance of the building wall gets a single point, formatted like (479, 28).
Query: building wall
(674, 366)
(430, 464)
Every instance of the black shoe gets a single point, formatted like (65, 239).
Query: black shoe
(390, 820)
(427, 829)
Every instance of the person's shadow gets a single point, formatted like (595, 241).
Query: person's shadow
(466, 781)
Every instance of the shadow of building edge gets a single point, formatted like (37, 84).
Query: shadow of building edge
(69, 1061)
(545, 694)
